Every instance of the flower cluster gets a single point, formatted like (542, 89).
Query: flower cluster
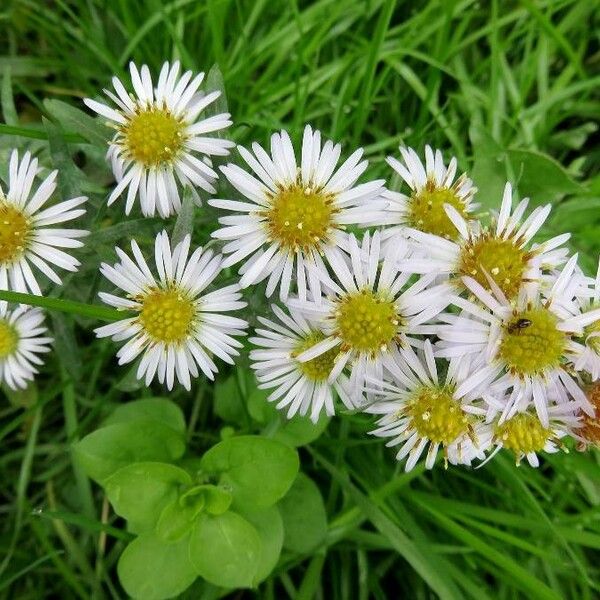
(459, 331)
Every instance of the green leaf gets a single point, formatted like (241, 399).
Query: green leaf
(7, 100)
(151, 569)
(540, 177)
(225, 550)
(110, 448)
(216, 500)
(158, 409)
(139, 492)
(178, 517)
(489, 170)
(294, 432)
(228, 402)
(243, 462)
(260, 409)
(269, 525)
(185, 219)
(299, 430)
(177, 520)
(76, 120)
(304, 516)
(70, 178)
(129, 382)
(215, 82)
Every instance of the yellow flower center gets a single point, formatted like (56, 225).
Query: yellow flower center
(167, 316)
(531, 342)
(15, 230)
(426, 211)
(8, 339)
(437, 416)
(153, 136)
(589, 429)
(523, 434)
(366, 321)
(299, 217)
(318, 368)
(501, 259)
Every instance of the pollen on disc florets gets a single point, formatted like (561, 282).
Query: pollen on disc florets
(15, 230)
(501, 259)
(522, 434)
(167, 315)
(153, 136)
(531, 342)
(299, 217)
(8, 339)
(426, 210)
(436, 415)
(366, 321)
(318, 368)
(589, 429)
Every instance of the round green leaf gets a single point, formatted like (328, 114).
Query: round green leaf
(106, 450)
(258, 470)
(300, 430)
(269, 525)
(151, 569)
(157, 409)
(225, 550)
(177, 520)
(139, 492)
(304, 517)
(228, 402)
(215, 499)
(178, 517)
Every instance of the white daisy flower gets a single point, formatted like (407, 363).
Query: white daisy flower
(526, 436)
(160, 139)
(174, 326)
(294, 213)
(432, 185)
(421, 411)
(371, 313)
(502, 253)
(26, 233)
(526, 343)
(301, 387)
(21, 341)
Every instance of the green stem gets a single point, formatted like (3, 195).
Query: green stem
(102, 313)
(38, 134)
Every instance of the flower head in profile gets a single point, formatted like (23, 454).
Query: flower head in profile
(373, 310)
(22, 340)
(527, 344)
(293, 211)
(501, 254)
(160, 139)
(26, 234)
(301, 387)
(587, 432)
(174, 325)
(432, 186)
(584, 299)
(421, 411)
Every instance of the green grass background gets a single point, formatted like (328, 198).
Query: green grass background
(510, 88)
